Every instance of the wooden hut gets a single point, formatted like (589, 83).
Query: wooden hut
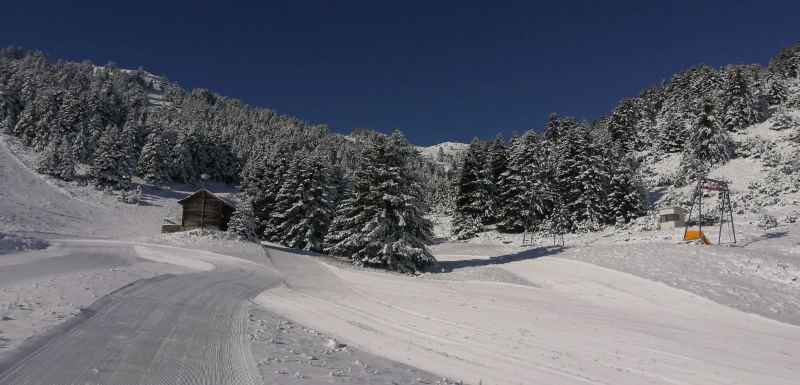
(203, 210)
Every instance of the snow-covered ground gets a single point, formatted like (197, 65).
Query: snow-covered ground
(571, 323)
(759, 274)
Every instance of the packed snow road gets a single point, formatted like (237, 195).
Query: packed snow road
(170, 329)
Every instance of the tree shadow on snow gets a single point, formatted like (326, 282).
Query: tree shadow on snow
(449, 266)
(776, 234)
(274, 246)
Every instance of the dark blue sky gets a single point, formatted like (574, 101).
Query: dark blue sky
(438, 70)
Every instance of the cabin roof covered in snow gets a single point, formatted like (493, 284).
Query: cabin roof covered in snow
(209, 194)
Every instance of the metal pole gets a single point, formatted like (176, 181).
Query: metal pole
(721, 216)
(730, 206)
(203, 215)
(700, 211)
(689, 217)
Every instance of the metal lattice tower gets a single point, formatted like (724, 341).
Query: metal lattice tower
(725, 206)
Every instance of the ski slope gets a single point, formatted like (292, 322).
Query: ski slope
(574, 323)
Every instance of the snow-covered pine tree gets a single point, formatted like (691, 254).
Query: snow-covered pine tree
(262, 178)
(672, 132)
(787, 62)
(624, 191)
(775, 89)
(474, 194)
(381, 222)
(708, 143)
(739, 106)
(303, 208)
(113, 160)
(588, 179)
(154, 160)
(496, 163)
(552, 130)
(182, 163)
(558, 221)
(622, 123)
(522, 183)
(57, 160)
(243, 224)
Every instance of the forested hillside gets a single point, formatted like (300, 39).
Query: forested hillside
(366, 195)
(576, 175)
(107, 126)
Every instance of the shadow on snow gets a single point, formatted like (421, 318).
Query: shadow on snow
(449, 266)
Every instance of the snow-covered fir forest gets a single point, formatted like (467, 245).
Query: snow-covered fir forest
(369, 196)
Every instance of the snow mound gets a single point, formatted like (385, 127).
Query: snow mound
(13, 244)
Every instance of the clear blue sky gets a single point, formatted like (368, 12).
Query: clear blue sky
(438, 70)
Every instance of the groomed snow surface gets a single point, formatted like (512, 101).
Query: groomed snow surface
(570, 323)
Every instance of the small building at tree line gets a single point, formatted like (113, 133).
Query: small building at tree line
(200, 210)
(671, 218)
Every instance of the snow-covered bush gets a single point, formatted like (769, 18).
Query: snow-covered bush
(772, 158)
(793, 102)
(753, 147)
(783, 120)
(645, 223)
(133, 196)
(769, 190)
(766, 222)
(587, 226)
(466, 227)
(791, 217)
(664, 180)
(12, 243)
(675, 197)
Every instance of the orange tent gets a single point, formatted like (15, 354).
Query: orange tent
(692, 235)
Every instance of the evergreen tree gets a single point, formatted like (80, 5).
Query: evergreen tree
(708, 143)
(243, 224)
(523, 183)
(740, 107)
(182, 163)
(776, 91)
(552, 130)
(787, 62)
(585, 179)
(57, 160)
(496, 163)
(473, 199)
(303, 208)
(622, 123)
(113, 161)
(672, 132)
(154, 160)
(624, 192)
(381, 222)
(262, 179)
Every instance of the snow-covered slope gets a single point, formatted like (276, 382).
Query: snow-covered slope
(571, 323)
(764, 172)
(446, 148)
